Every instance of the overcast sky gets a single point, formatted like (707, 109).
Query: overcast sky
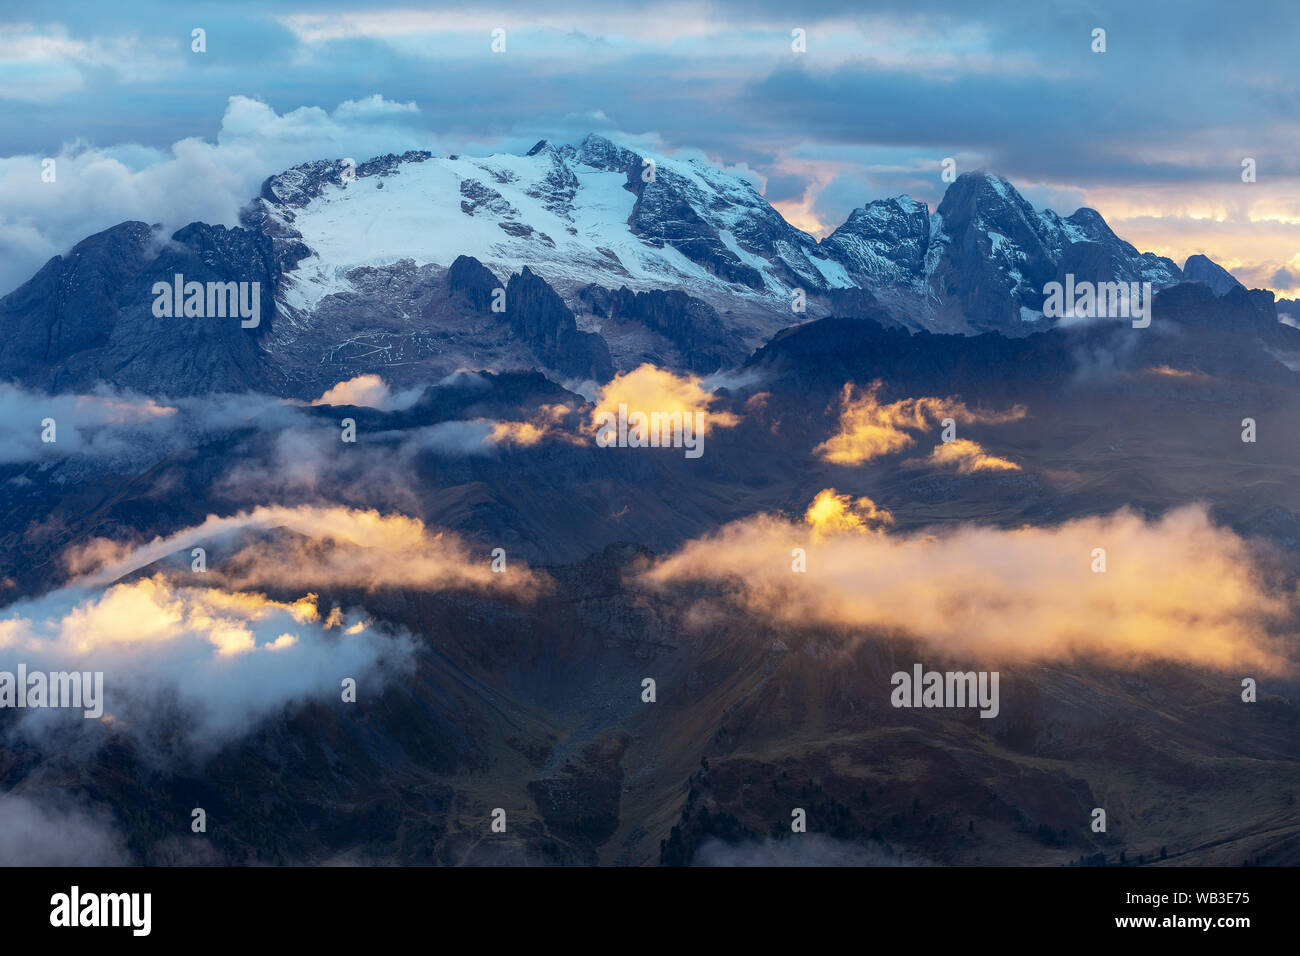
(1151, 132)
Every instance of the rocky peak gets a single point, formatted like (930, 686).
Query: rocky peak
(1199, 268)
(473, 280)
(540, 318)
(599, 153)
(885, 237)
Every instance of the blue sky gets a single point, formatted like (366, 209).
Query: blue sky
(1152, 132)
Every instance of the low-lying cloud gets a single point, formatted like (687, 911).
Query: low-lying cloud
(48, 832)
(327, 547)
(187, 669)
(966, 457)
(649, 388)
(1176, 588)
(369, 391)
(199, 666)
(122, 430)
(869, 428)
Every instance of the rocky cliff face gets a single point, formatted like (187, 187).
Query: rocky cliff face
(88, 317)
(544, 323)
(689, 333)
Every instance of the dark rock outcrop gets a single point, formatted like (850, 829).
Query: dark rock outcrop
(541, 319)
(1200, 268)
(87, 317)
(690, 324)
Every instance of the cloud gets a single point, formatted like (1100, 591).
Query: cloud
(649, 388)
(1179, 374)
(329, 547)
(1177, 588)
(454, 439)
(465, 378)
(369, 391)
(55, 63)
(546, 424)
(51, 832)
(187, 669)
(98, 187)
(990, 85)
(486, 436)
(306, 461)
(869, 429)
(966, 457)
(94, 425)
(215, 660)
(832, 513)
(119, 431)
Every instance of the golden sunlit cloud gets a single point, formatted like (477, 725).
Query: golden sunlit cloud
(800, 214)
(1178, 588)
(648, 389)
(182, 669)
(832, 513)
(112, 410)
(331, 547)
(366, 391)
(546, 424)
(869, 429)
(151, 611)
(966, 456)
(1185, 375)
(369, 391)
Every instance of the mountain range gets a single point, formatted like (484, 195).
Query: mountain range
(607, 261)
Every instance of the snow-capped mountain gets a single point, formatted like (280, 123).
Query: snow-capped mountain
(980, 261)
(577, 215)
(599, 214)
(606, 258)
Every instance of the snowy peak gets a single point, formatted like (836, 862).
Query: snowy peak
(980, 261)
(594, 212)
(885, 241)
(598, 213)
(983, 195)
(599, 153)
